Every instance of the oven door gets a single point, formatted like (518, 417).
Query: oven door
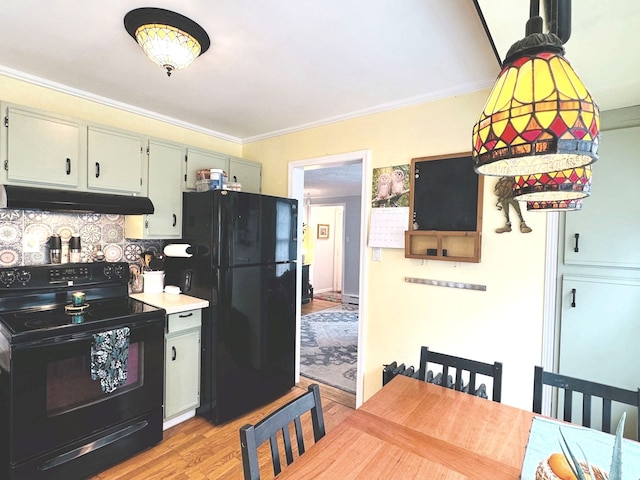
(56, 402)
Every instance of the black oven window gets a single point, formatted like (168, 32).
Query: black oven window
(69, 383)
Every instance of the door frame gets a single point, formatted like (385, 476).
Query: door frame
(296, 190)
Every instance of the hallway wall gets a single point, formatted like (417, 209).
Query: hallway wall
(351, 253)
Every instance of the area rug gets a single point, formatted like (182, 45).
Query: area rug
(329, 346)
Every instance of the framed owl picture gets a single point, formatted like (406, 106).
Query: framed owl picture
(390, 186)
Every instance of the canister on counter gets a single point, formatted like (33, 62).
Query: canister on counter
(216, 179)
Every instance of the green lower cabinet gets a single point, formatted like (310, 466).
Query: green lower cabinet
(182, 363)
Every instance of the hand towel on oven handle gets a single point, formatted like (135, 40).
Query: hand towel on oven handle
(109, 358)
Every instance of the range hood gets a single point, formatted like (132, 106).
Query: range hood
(30, 198)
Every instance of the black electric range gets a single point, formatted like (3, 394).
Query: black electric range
(55, 413)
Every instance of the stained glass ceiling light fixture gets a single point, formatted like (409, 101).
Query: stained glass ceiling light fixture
(567, 185)
(555, 206)
(539, 116)
(169, 39)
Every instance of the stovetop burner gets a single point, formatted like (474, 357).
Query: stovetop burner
(36, 302)
(25, 324)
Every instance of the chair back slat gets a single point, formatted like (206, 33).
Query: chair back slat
(568, 405)
(252, 436)
(275, 454)
(589, 390)
(299, 437)
(461, 365)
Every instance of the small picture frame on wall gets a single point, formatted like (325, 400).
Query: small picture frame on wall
(323, 230)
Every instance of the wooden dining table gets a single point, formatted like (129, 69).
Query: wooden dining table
(413, 429)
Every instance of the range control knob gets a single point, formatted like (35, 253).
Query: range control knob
(23, 276)
(7, 277)
(108, 271)
(120, 271)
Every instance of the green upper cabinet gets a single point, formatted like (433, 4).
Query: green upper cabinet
(605, 233)
(40, 149)
(247, 173)
(115, 161)
(164, 182)
(197, 159)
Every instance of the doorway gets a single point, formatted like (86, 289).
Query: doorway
(354, 235)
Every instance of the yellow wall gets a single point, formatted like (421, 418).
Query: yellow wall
(504, 323)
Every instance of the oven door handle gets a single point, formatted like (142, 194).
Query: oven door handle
(84, 336)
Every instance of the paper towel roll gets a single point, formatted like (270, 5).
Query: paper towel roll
(178, 250)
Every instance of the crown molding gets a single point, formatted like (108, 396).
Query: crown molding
(407, 102)
(109, 102)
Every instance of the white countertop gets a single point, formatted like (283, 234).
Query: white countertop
(170, 302)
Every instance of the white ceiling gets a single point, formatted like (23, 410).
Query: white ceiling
(273, 65)
(333, 181)
(282, 65)
(603, 48)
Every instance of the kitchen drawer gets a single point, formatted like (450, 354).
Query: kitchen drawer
(178, 322)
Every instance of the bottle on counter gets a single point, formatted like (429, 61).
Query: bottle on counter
(75, 249)
(55, 248)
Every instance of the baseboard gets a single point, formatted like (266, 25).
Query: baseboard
(179, 419)
(352, 299)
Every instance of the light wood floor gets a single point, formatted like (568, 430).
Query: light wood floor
(316, 305)
(197, 449)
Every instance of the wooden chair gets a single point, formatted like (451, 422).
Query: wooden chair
(472, 368)
(588, 389)
(252, 436)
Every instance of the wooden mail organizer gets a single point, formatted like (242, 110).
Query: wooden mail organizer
(446, 209)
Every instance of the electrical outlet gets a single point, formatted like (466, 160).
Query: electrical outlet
(377, 254)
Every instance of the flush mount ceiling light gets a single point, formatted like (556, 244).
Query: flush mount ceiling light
(169, 39)
(539, 117)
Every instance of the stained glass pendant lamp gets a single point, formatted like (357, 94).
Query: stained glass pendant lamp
(169, 39)
(567, 184)
(555, 206)
(539, 116)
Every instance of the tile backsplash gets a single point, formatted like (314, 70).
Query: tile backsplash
(24, 236)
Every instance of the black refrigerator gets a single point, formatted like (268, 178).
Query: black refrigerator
(243, 248)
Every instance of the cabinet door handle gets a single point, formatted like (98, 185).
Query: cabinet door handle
(68, 166)
(174, 354)
(573, 298)
(97, 169)
(576, 249)
(175, 220)
(185, 315)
